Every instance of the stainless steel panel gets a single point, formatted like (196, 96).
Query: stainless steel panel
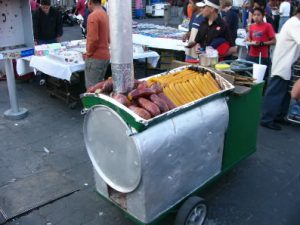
(114, 155)
(178, 156)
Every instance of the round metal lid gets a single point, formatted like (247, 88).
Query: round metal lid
(113, 153)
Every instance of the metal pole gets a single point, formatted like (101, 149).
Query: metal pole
(14, 112)
(120, 25)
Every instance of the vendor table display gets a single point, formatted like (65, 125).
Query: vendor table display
(61, 61)
(161, 37)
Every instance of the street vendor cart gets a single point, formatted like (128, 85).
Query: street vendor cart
(155, 143)
(148, 167)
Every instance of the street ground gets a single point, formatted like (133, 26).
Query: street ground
(264, 189)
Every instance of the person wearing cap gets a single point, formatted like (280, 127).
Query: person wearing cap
(47, 24)
(213, 31)
(194, 25)
(97, 44)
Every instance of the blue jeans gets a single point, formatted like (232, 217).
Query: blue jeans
(295, 109)
(282, 21)
(276, 101)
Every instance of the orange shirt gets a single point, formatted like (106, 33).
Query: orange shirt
(97, 46)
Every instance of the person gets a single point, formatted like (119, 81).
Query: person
(277, 97)
(231, 17)
(268, 12)
(295, 94)
(34, 5)
(245, 7)
(261, 35)
(194, 25)
(284, 11)
(80, 7)
(97, 48)
(273, 4)
(47, 24)
(213, 31)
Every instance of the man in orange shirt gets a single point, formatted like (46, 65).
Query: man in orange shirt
(97, 46)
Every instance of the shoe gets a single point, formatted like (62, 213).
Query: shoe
(272, 126)
(42, 82)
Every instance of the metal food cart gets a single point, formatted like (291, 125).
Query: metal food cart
(148, 168)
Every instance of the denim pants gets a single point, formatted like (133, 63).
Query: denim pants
(276, 101)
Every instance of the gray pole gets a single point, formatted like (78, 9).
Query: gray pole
(120, 25)
(14, 112)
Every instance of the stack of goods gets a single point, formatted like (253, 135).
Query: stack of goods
(187, 85)
(157, 31)
(160, 94)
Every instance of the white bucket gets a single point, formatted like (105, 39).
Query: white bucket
(259, 72)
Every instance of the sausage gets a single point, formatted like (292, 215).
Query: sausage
(107, 86)
(142, 85)
(159, 102)
(156, 87)
(137, 93)
(169, 103)
(141, 112)
(149, 106)
(121, 98)
(95, 87)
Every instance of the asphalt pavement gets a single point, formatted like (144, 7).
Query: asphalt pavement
(264, 189)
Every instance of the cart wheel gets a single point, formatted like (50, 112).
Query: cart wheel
(192, 212)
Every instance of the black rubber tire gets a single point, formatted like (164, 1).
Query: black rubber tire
(186, 210)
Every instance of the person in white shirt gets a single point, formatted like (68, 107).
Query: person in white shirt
(284, 11)
(286, 53)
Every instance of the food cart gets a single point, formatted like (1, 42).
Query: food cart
(149, 167)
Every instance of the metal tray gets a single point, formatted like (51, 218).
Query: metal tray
(139, 124)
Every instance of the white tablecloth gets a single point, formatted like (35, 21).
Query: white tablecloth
(161, 43)
(64, 71)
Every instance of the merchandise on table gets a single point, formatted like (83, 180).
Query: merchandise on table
(157, 31)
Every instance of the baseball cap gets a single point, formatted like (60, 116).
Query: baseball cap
(212, 3)
(200, 4)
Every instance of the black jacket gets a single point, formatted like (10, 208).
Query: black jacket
(47, 27)
(207, 33)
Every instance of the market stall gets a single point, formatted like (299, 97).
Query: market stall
(63, 62)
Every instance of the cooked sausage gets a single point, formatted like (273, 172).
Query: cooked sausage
(95, 87)
(156, 87)
(149, 106)
(142, 85)
(121, 98)
(159, 102)
(141, 112)
(107, 86)
(170, 104)
(136, 93)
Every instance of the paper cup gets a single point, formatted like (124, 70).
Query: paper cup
(259, 72)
